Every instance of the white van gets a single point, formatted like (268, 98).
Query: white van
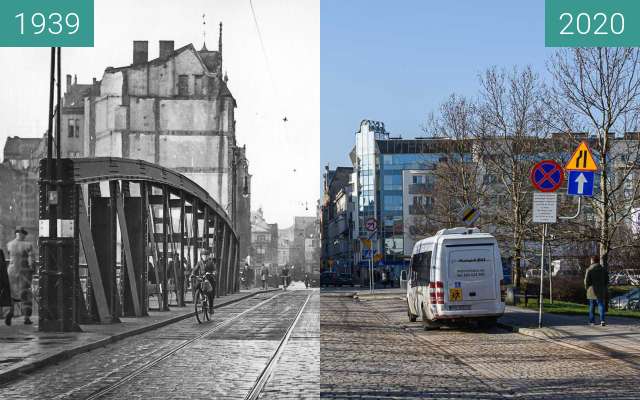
(455, 275)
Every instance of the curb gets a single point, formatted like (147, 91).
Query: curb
(22, 370)
(543, 334)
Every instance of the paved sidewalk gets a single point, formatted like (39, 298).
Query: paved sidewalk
(619, 339)
(23, 348)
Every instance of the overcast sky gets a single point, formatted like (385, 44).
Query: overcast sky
(283, 156)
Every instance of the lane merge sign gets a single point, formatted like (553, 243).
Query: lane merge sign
(547, 176)
(581, 168)
(582, 159)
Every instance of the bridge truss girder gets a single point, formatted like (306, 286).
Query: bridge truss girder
(139, 227)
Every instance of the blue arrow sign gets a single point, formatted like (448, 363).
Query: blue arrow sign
(580, 183)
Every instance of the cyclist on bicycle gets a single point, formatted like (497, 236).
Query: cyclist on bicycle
(285, 277)
(207, 267)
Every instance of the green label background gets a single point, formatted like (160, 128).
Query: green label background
(10, 25)
(629, 8)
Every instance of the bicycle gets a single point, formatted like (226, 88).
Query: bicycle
(202, 287)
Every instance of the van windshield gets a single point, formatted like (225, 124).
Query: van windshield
(421, 267)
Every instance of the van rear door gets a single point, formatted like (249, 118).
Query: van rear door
(471, 268)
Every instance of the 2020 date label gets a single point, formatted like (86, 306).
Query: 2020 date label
(592, 23)
(46, 23)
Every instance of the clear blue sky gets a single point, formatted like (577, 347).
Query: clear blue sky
(395, 61)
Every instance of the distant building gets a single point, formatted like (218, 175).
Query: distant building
(379, 161)
(417, 202)
(337, 221)
(284, 250)
(19, 182)
(302, 249)
(72, 117)
(264, 241)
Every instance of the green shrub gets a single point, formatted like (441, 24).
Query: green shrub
(569, 289)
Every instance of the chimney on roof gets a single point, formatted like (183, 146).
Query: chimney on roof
(75, 79)
(68, 82)
(140, 52)
(166, 48)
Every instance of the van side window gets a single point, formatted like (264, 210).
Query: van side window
(421, 268)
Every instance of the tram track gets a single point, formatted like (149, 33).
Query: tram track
(259, 383)
(262, 380)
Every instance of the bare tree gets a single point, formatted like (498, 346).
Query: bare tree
(597, 90)
(510, 133)
(458, 177)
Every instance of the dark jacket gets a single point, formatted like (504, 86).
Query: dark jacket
(595, 282)
(5, 290)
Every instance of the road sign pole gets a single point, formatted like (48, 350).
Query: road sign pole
(550, 273)
(544, 234)
(372, 283)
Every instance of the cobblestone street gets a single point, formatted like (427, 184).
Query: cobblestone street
(370, 350)
(223, 361)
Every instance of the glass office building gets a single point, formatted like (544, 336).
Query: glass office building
(379, 161)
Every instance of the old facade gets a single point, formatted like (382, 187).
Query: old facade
(264, 242)
(176, 111)
(19, 182)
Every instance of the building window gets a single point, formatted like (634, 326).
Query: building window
(490, 179)
(198, 88)
(77, 128)
(183, 85)
(72, 128)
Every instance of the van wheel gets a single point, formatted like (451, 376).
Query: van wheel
(429, 325)
(426, 323)
(412, 317)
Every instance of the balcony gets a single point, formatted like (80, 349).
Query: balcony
(418, 209)
(420, 188)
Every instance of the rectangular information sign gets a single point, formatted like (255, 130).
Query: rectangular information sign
(592, 23)
(545, 208)
(46, 23)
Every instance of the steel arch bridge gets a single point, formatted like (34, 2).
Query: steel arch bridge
(138, 227)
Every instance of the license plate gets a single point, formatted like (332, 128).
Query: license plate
(455, 294)
(459, 307)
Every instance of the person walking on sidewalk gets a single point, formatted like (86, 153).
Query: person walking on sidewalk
(20, 272)
(595, 283)
(264, 273)
(5, 289)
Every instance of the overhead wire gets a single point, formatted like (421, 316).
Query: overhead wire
(286, 137)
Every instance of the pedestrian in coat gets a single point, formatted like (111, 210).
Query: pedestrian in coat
(5, 288)
(595, 283)
(20, 272)
(263, 275)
